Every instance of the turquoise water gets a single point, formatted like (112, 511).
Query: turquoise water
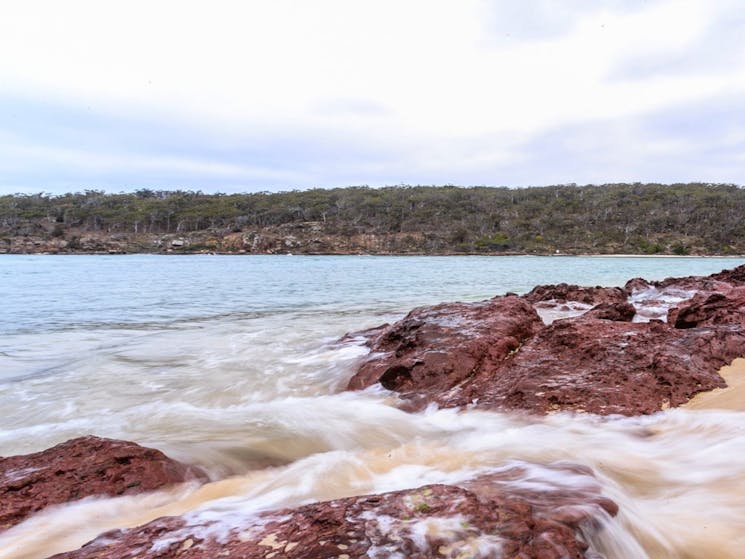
(232, 363)
(46, 293)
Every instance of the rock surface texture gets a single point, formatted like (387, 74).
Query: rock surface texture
(483, 518)
(80, 468)
(500, 357)
(710, 309)
(605, 367)
(562, 293)
(434, 349)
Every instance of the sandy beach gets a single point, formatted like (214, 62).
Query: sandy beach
(730, 398)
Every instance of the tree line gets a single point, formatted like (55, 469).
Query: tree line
(611, 218)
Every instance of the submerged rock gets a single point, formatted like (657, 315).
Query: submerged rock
(490, 516)
(433, 349)
(80, 468)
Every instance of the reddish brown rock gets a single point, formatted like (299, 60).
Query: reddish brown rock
(435, 348)
(605, 367)
(618, 312)
(735, 276)
(721, 281)
(710, 309)
(80, 468)
(487, 517)
(562, 292)
(600, 362)
(637, 284)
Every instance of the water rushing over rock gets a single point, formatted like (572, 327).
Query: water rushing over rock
(489, 516)
(258, 402)
(81, 468)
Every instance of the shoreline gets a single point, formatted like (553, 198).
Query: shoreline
(731, 398)
(401, 254)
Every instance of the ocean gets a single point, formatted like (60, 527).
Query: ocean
(232, 363)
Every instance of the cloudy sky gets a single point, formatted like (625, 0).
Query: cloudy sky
(243, 95)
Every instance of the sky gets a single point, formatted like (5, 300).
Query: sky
(245, 96)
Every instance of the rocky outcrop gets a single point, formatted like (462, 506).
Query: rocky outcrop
(563, 293)
(493, 355)
(487, 517)
(721, 281)
(605, 367)
(618, 312)
(80, 468)
(710, 309)
(433, 349)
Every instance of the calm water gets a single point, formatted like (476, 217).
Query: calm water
(229, 363)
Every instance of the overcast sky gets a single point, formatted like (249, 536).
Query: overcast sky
(238, 96)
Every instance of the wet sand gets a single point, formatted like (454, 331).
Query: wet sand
(730, 398)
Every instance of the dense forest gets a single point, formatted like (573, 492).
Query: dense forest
(693, 218)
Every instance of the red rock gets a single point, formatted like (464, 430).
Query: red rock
(636, 284)
(487, 517)
(604, 367)
(562, 292)
(619, 312)
(721, 281)
(80, 468)
(710, 309)
(453, 355)
(735, 276)
(599, 362)
(435, 348)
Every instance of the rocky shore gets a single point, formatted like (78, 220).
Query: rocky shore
(632, 350)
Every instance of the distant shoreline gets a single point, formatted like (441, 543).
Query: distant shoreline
(375, 254)
(647, 220)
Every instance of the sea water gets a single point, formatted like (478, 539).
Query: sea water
(232, 363)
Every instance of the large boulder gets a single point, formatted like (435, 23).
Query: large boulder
(433, 349)
(491, 516)
(80, 468)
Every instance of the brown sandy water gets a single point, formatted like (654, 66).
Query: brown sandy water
(677, 476)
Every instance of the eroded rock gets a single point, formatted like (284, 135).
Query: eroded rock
(562, 293)
(435, 348)
(601, 362)
(487, 517)
(605, 367)
(710, 309)
(721, 281)
(80, 468)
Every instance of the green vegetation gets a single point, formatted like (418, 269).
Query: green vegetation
(680, 219)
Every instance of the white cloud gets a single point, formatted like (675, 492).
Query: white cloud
(438, 81)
